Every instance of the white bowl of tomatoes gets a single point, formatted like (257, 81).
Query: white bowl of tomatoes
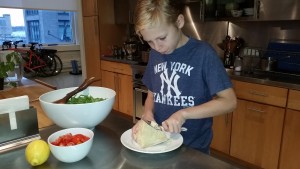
(71, 145)
(84, 113)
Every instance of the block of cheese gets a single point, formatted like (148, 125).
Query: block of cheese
(147, 135)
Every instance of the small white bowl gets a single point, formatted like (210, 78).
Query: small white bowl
(86, 115)
(70, 154)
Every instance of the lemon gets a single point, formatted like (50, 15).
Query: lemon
(37, 152)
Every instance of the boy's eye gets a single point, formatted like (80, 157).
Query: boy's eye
(163, 38)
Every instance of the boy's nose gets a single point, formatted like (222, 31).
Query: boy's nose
(157, 47)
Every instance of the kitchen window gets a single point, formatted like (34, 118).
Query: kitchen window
(42, 26)
(33, 31)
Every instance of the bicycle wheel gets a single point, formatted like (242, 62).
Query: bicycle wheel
(59, 64)
(50, 67)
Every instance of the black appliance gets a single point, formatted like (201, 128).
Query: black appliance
(287, 55)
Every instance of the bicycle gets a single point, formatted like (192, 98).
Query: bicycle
(37, 62)
(50, 53)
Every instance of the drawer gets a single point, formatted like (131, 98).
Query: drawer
(294, 100)
(116, 67)
(261, 93)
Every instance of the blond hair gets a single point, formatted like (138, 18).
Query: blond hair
(151, 13)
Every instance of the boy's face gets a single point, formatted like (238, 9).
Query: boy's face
(164, 38)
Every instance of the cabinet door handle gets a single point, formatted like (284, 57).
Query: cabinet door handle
(120, 69)
(255, 110)
(257, 93)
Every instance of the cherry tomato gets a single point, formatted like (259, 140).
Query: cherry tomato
(77, 139)
(69, 140)
(66, 139)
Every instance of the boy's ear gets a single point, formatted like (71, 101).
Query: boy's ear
(180, 21)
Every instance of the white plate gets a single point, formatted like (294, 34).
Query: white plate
(173, 143)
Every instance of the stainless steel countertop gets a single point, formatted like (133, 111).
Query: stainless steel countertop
(268, 78)
(260, 77)
(108, 152)
(120, 60)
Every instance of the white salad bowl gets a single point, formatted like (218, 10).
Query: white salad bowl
(86, 115)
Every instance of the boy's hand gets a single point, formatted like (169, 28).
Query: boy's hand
(135, 127)
(173, 123)
(134, 130)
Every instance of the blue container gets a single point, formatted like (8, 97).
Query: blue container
(75, 70)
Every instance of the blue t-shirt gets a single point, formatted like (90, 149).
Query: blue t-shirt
(189, 76)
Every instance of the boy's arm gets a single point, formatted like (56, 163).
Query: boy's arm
(224, 102)
(148, 107)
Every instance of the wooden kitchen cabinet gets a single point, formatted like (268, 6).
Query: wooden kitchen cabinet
(257, 123)
(294, 100)
(261, 93)
(124, 11)
(221, 133)
(91, 39)
(109, 81)
(290, 150)
(89, 7)
(256, 133)
(264, 127)
(92, 52)
(118, 76)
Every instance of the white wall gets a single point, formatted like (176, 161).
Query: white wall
(69, 5)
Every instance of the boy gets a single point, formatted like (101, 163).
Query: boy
(186, 80)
